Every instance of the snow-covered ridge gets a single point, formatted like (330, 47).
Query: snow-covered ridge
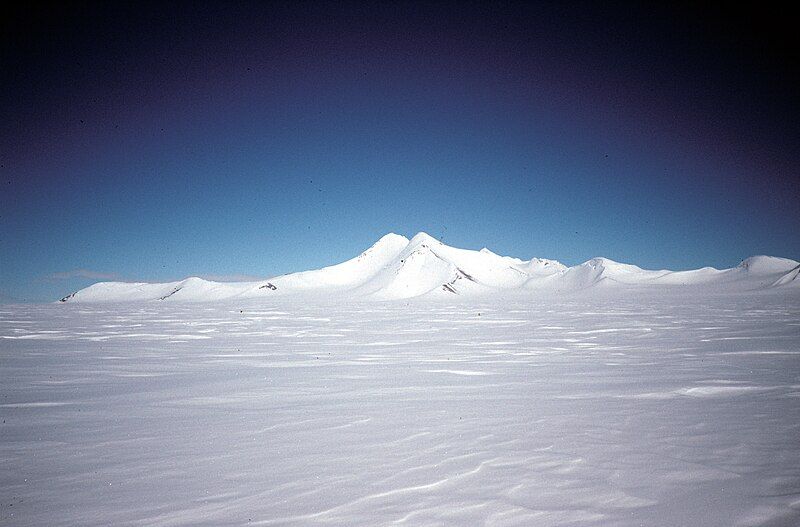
(396, 267)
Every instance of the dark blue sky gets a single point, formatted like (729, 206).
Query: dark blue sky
(152, 142)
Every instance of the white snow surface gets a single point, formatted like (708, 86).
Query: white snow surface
(398, 268)
(585, 407)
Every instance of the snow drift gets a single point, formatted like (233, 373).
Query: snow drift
(396, 268)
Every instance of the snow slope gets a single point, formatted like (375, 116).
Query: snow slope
(790, 278)
(398, 268)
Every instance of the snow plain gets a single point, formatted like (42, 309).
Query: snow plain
(596, 407)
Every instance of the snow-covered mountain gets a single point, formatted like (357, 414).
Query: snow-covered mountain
(396, 267)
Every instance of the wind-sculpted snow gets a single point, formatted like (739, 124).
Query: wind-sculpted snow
(398, 268)
(589, 410)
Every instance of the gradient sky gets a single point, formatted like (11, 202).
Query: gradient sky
(249, 139)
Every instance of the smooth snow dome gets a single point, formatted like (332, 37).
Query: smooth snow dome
(600, 406)
(397, 268)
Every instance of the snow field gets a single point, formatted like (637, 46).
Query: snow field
(582, 409)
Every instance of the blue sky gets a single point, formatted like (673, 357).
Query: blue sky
(153, 143)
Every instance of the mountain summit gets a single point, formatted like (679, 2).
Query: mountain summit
(396, 267)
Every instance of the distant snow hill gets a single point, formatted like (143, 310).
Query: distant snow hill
(396, 267)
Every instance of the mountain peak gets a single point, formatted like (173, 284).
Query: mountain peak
(396, 267)
(392, 237)
(601, 262)
(388, 242)
(423, 238)
(767, 264)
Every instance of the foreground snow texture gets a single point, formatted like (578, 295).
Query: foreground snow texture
(576, 409)
(397, 268)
